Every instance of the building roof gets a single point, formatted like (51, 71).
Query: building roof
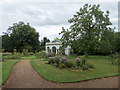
(54, 43)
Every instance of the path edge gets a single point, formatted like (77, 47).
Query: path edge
(75, 81)
(9, 75)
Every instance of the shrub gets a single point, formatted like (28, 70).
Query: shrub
(85, 67)
(4, 58)
(64, 60)
(75, 67)
(49, 55)
(31, 53)
(77, 61)
(51, 60)
(116, 55)
(40, 55)
(115, 61)
(23, 52)
(61, 66)
(69, 64)
(53, 54)
(90, 65)
(57, 60)
(65, 63)
(11, 56)
(36, 52)
(26, 53)
(7, 54)
(16, 56)
(83, 61)
(114, 58)
(3, 50)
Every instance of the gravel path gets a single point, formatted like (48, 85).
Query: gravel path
(24, 76)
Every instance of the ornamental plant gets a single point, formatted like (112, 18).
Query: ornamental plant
(46, 56)
(69, 64)
(36, 52)
(57, 60)
(3, 50)
(15, 54)
(85, 67)
(77, 61)
(83, 60)
(41, 55)
(49, 55)
(26, 52)
(64, 60)
(62, 66)
(51, 60)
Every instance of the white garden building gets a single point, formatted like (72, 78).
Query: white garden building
(53, 47)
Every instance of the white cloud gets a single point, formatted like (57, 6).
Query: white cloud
(50, 32)
(48, 17)
(59, 0)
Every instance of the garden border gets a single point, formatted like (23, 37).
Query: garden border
(9, 75)
(74, 81)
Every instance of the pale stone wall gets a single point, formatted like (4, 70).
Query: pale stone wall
(51, 45)
(57, 46)
(67, 50)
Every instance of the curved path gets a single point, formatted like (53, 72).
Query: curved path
(24, 76)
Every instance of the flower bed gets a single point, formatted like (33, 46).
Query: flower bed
(66, 63)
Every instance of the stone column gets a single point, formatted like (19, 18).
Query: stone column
(56, 51)
(46, 49)
(50, 51)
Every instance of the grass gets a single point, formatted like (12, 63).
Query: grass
(6, 69)
(29, 57)
(103, 68)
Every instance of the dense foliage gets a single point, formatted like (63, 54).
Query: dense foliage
(20, 36)
(90, 32)
(43, 43)
(63, 62)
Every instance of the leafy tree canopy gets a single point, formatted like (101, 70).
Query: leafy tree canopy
(43, 43)
(56, 40)
(89, 26)
(21, 36)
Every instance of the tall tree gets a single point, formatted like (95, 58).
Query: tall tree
(43, 43)
(22, 36)
(7, 43)
(56, 40)
(87, 27)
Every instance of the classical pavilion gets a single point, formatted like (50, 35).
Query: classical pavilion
(54, 47)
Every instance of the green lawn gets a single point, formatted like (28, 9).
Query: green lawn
(103, 68)
(6, 69)
(29, 57)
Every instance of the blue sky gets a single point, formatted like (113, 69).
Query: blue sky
(48, 18)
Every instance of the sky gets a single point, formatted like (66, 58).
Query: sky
(48, 18)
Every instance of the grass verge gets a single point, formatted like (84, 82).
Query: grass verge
(103, 68)
(6, 69)
(29, 57)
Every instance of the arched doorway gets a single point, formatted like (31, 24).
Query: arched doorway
(48, 49)
(54, 50)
